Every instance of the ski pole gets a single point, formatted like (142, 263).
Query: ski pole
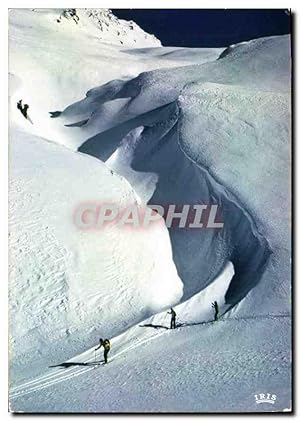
(95, 355)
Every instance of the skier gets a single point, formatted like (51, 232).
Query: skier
(20, 105)
(106, 345)
(24, 111)
(173, 319)
(216, 307)
(23, 108)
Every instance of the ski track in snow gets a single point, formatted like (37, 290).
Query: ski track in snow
(52, 379)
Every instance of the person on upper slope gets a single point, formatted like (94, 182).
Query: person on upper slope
(173, 318)
(106, 345)
(23, 108)
(20, 105)
(216, 308)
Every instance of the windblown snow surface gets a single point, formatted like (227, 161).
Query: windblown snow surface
(158, 125)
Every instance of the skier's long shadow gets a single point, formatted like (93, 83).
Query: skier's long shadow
(74, 363)
(154, 326)
(177, 325)
(195, 323)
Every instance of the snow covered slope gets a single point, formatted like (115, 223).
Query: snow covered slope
(166, 126)
(195, 368)
(78, 57)
(240, 129)
(67, 284)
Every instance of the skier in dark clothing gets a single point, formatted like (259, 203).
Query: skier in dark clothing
(173, 319)
(23, 108)
(24, 112)
(106, 345)
(216, 307)
(20, 105)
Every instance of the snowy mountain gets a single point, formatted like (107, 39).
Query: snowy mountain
(147, 125)
(99, 23)
(114, 30)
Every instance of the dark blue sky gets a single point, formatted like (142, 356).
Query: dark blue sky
(208, 28)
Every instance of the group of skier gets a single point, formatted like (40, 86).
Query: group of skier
(173, 314)
(106, 343)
